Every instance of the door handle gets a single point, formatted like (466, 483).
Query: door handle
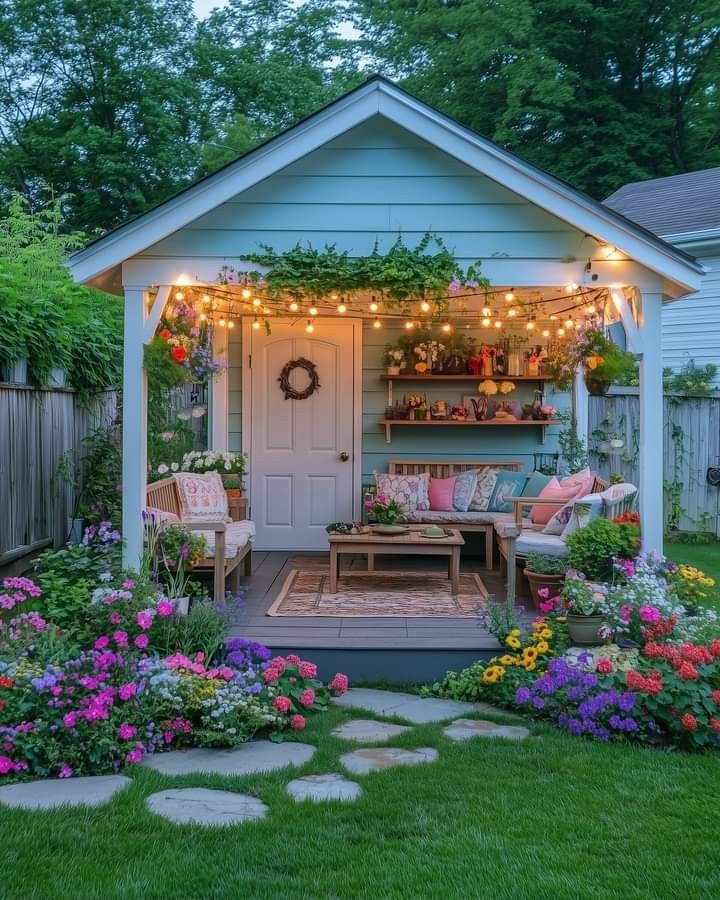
(343, 456)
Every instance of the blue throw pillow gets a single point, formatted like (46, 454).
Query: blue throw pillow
(535, 483)
(508, 484)
(465, 483)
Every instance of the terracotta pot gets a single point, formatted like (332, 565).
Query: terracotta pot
(596, 387)
(393, 370)
(537, 581)
(233, 493)
(583, 630)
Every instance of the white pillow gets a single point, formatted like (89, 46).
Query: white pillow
(410, 491)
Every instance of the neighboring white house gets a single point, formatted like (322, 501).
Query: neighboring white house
(685, 211)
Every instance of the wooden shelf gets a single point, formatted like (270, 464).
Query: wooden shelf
(389, 424)
(418, 377)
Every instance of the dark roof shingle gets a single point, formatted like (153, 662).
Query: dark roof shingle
(672, 205)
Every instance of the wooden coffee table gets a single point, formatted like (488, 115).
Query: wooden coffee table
(412, 543)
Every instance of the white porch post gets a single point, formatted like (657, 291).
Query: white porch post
(581, 406)
(134, 443)
(651, 423)
(218, 396)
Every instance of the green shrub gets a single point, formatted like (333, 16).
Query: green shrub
(593, 547)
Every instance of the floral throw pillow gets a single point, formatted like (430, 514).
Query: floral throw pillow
(465, 483)
(202, 497)
(484, 487)
(410, 491)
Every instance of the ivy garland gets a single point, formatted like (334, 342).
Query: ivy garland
(398, 276)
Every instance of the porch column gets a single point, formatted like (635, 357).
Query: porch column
(580, 406)
(218, 395)
(134, 433)
(651, 422)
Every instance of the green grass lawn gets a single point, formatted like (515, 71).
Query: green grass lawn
(552, 817)
(702, 556)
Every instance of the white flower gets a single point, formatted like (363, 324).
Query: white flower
(162, 469)
(174, 466)
(184, 416)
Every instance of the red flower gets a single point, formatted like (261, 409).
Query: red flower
(179, 354)
(696, 654)
(688, 672)
(2, 705)
(6, 682)
(715, 697)
(635, 680)
(604, 666)
(654, 650)
(270, 676)
(715, 725)
(297, 723)
(715, 647)
(165, 334)
(689, 722)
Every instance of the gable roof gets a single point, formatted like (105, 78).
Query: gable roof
(378, 96)
(678, 204)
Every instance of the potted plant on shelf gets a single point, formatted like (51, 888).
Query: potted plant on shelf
(587, 609)
(393, 358)
(233, 487)
(418, 406)
(544, 572)
(458, 349)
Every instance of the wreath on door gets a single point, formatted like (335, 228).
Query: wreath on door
(313, 384)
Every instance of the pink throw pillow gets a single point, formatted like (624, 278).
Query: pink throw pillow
(442, 491)
(580, 483)
(553, 490)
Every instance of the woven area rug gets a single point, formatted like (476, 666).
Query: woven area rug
(378, 594)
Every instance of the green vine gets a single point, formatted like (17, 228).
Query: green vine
(398, 276)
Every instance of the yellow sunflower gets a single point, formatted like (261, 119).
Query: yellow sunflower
(530, 653)
(546, 633)
(513, 642)
(508, 660)
(530, 665)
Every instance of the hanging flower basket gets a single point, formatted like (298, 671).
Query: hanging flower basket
(596, 387)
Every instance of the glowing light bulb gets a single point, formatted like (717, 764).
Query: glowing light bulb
(256, 325)
(409, 326)
(231, 324)
(294, 307)
(179, 295)
(267, 310)
(246, 293)
(203, 317)
(571, 288)
(530, 325)
(206, 298)
(341, 308)
(546, 332)
(569, 322)
(512, 313)
(313, 311)
(374, 307)
(309, 327)
(498, 324)
(486, 311)
(509, 296)
(447, 327)
(607, 250)
(222, 323)
(553, 318)
(377, 323)
(333, 296)
(425, 306)
(591, 309)
(486, 322)
(257, 302)
(561, 332)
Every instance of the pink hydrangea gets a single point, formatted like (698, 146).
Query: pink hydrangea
(271, 675)
(116, 618)
(339, 683)
(625, 612)
(307, 698)
(120, 638)
(126, 732)
(282, 704)
(297, 722)
(128, 584)
(650, 614)
(70, 719)
(164, 608)
(144, 619)
(293, 659)
(127, 690)
(307, 669)
(102, 642)
(141, 641)
(134, 756)
(278, 663)
(65, 771)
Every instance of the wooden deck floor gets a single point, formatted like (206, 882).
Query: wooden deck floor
(284, 633)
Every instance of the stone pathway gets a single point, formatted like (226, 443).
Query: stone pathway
(319, 788)
(50, 793)
(411, 707)
(368, 730)
(202, 806)
(247, 759)
(375, 759)
(464, 729)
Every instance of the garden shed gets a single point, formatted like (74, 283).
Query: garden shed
(375, 165)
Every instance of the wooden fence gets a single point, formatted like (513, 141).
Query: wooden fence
(690, 448)
(37, 429)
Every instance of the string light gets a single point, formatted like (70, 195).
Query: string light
(409, 326)
(591, 309)
(222, 323)
(530, 324)
(179, 295)
(341, 308)
(373, 306)
(333, 296)
(203, 317)
(571, 288)
(231, 324)
(257, 302)
(509, 296)
(425, 306)
(206, 298)
(553, 318)
(512, 313)
(256, 324)
(561, 332)
(498, 324)
(546, 332)
(447, 327)
(486, 322)
(309, 327)
(377, 323)
(246, 293)
(313, 311)
(607, 250)
(294, 306)
(486, 311)
(569, 323)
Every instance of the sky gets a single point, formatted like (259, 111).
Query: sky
(203, 7)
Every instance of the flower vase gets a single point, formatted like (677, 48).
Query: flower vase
(537, 582)
(393, 370)
(585, 630)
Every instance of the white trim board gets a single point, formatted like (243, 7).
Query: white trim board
(379, 96)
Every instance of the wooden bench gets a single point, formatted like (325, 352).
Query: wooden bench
(443, 468)
(164, 495)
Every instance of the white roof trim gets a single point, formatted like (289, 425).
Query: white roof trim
(380, 96)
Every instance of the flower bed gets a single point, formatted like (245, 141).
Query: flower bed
(124, 683)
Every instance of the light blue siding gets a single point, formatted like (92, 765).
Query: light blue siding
(235, 384)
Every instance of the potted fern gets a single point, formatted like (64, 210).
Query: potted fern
(544, 572)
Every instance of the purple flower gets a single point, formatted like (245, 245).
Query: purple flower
(522, 695)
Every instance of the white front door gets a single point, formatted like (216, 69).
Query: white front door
(301, 451)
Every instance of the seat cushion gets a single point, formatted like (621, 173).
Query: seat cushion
(549, 544)
(237, 536)
(450, 517)
(161, 515)
(202, 497)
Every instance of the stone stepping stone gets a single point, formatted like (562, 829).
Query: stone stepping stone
(247, 759)
(464, 729)
(375, 759)
(368, 730)
(319, 788)
(418, 710)
(50, 793)
(202, 806)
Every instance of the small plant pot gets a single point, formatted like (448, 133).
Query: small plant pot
(596, 387)
(585, 630)
(420, 415)
(393, 370)
(538, 581)
(233, 493)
